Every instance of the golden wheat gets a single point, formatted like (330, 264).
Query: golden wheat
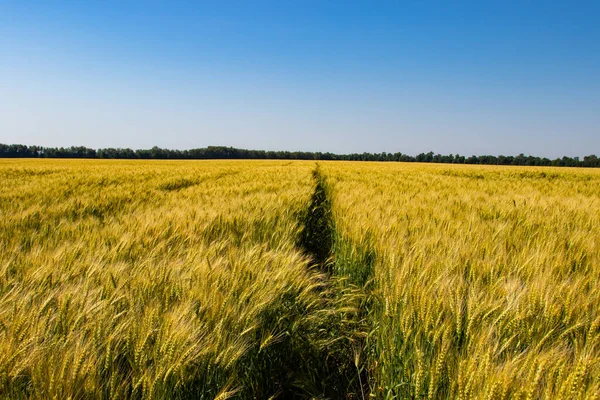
(187, 279)
(149, 279)
(486, 278)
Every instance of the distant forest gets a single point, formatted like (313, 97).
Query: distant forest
(221, 152)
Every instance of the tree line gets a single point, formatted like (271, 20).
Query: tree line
(222, 152)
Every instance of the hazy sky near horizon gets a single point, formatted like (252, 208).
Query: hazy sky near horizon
(470, 77)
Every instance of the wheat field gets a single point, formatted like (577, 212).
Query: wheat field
(273, 279)
(158, 280)
(485, 279)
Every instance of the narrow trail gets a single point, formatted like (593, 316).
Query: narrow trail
(344, 369)
(318, 230)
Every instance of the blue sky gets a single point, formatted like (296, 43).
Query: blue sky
(468, 77)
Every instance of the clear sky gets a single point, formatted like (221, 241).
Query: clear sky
(468, 77)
